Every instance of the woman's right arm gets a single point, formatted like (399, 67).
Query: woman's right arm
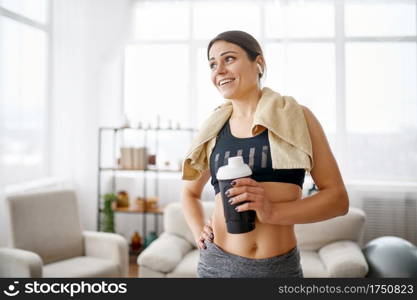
(193, 210)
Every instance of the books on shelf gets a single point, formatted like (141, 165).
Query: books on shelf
(133, 158)
(140, 158)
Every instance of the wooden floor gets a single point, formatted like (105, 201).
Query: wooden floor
(133, 266)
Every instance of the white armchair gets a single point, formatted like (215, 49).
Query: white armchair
(47, 240)
(328, 249)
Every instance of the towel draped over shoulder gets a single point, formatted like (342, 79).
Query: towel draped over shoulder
(288, 134)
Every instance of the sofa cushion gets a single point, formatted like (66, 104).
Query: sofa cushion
(82, 266)
(164, 253)
(344, 259)
(312, 264)
(188, 266)
(174, 220)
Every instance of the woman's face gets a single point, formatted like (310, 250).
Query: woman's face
(232, 73)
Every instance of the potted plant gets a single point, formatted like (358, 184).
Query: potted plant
(108, 213)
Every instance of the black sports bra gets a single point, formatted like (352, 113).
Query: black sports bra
(255, 152)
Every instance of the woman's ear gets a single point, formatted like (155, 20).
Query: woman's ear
(260, 65)
(261, 71)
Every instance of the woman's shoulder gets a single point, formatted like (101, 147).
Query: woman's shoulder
(311, 120)
(308, 115)
(317, 134)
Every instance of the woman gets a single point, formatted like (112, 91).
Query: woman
(253, 120)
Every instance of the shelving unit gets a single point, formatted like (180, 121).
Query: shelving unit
(140, 172)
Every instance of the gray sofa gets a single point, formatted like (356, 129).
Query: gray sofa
(328, 249)
(47, 240)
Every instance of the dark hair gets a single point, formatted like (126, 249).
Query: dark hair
(243, 39)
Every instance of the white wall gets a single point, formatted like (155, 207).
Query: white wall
(87, 51)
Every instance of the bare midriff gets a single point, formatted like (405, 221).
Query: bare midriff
(266, 240)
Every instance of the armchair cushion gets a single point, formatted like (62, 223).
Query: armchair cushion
(82, 266)
(344, 259)
(164, 253)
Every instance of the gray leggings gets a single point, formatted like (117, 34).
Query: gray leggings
(216, 263)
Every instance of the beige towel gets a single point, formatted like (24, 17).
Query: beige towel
(288, 134)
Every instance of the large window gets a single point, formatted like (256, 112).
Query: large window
(24, 34)
(353, 63)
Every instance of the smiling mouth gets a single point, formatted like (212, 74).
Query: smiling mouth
(226, 81)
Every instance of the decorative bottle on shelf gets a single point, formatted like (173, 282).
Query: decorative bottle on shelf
(136, 241)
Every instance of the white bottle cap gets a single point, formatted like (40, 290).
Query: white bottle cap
(235, 168)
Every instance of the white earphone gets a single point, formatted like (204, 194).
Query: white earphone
(260, 69)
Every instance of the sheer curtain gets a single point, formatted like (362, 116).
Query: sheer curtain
(24, 86)
(24, 40)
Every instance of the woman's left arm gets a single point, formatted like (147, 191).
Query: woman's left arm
(330, 201)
